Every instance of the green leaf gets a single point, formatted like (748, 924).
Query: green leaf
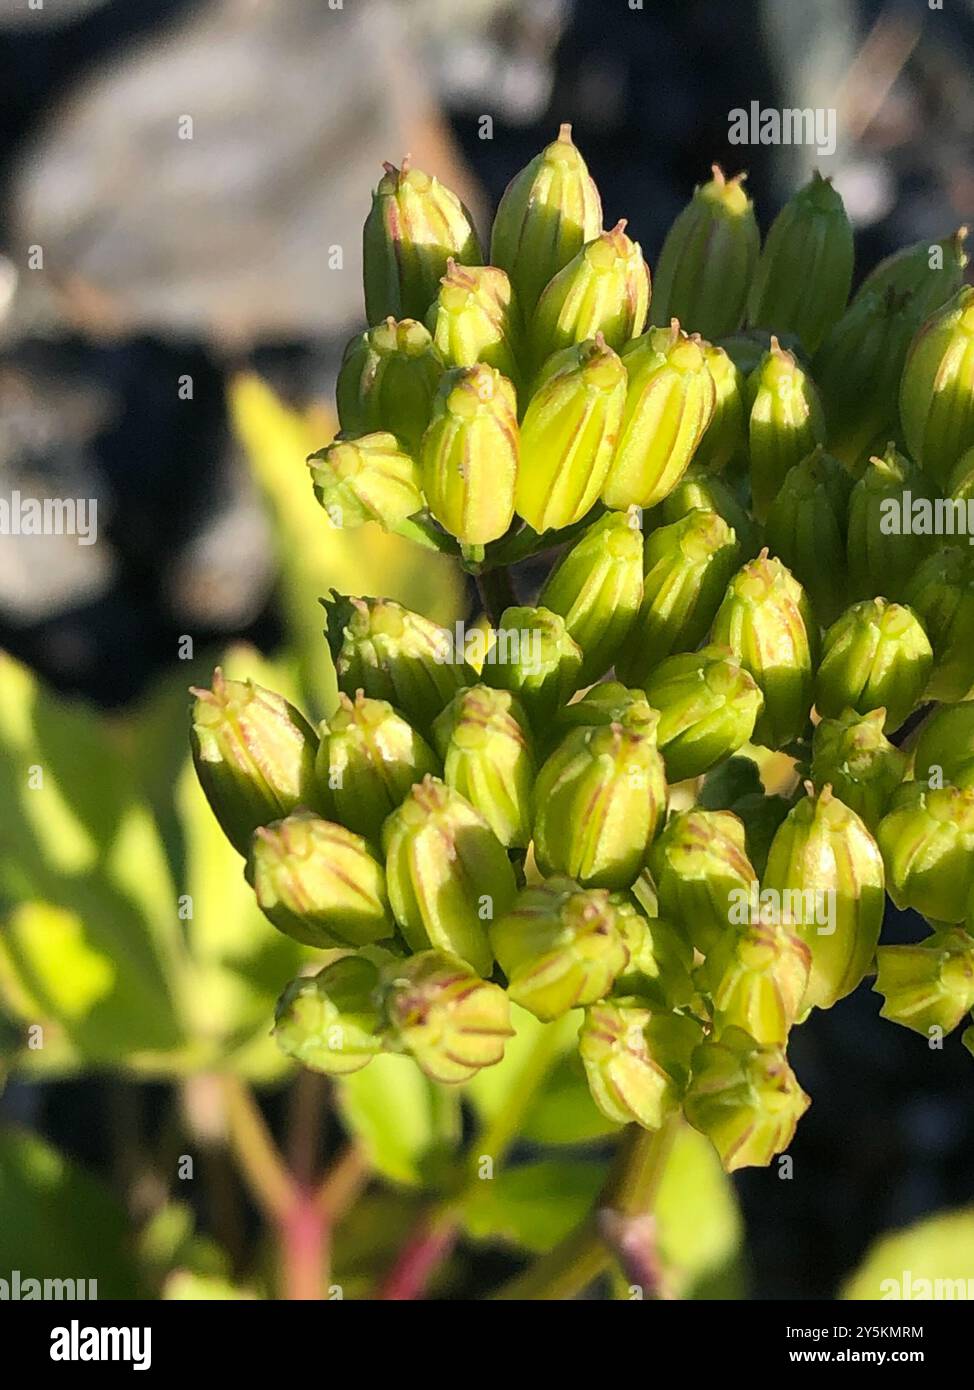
(563, 1111)
(533, 1205)
(502, 1094)
(932, 1259)
(184, 1285)
(699, 1225)
(389, 1106)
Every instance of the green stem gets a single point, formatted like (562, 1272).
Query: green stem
(424, 531)
(527, 542)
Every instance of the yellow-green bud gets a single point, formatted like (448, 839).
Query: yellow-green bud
(941, 594)
(706, 492)
(757, 978)
(487, 750)
(703, 876)
(930, 984)
(929, 279)
(448, 1019)
(387, 381)
(875, 656)
(852, 755)
(469, 454)
(637, 1062)
(660, 957)
(331, 1022)
(474, 318)
(785, 422)
(725, 438)
(366, 479)
(535, 658)
(945, 747)
(882, 555)
(937, 390)
(927, 840)
(806, 529)
(708, 706)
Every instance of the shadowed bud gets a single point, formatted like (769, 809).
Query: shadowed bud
(725, 438)
(937, 390)
(941, 594)
(448, 1019)
(637, 1062)
(447, 873)
(826, 871)
(708, 706)
(331, 1021)
(548, 211)
(706, 492)
(708, 260)
(568, 435)
(960, 484)
(387, 381)
(485, 743)
(806, 529)
(474, 318)
(366, 479)
(882, 555)
(747, 348)
(804, 273)
(607, 703)
(369, 757)
(909, 271)
(687, 569)
(927, 840)
(254, 756)
(945, 747)
(745, 1098)
(757, 978)
(852, 754)
(785, 422)
(660, 957)
(597, 588)
(469, 454)
(702, 874)
(929, 984)
(535, 658)
(414, 227)
(318, 882)
(559, 947)
(875, 656)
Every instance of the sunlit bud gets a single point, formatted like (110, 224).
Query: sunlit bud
(757, 977)
(701, 871)
(785, 422)
(366, 479)
(927, 840)
(725, 438)
(487, 750)
(937, 389)
(706, 492)
(945, 747)
(331, 1022)
(474, 318)
(876, 655)
(941, 594)
(708, 706)
(660, 957)
(535, 658)
(469, 454)
(447, 1018)
(637, 1062)
(387, 381)
(852, 754)
(929, 984)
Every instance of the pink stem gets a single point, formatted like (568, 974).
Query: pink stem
(423, 1252)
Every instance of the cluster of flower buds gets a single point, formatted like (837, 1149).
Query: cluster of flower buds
(743, 474)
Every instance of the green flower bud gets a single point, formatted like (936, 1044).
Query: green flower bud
(448, 875)
(568, 435)
(747, 348)
(604, 289)
(597, 588)
(474, 318)
(387, 382)
(882, 557)
(366, 479)
(960, 483)
(927, 840)
(391, 653)
(875, 656)
(485, 743)
(469, 454)
(660, 957)
(369, 757)
(708, 260)
(702, 874)
(827, 874)
(806, 529)
(909, 271)
(937, 390)
(708, 493)
(853, 756)
(725, 438)
(637, 1062)
(941, 594)
(708, 706)
(945, 748)
(785, 422)
(446, 1017)
(414, 227)
(535, 658)
(757, 979)
(318, 882)
(804, 273)
(254, 756)
(767, 621)
(559, 947)
(930, 984)
(745, 1098)
(607, 703)
(600, 798)
(687, 569)
(548, 212)
(669, 404)
(331, 1021)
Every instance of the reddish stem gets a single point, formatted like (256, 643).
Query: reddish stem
(304, 1234)
(424, 1251)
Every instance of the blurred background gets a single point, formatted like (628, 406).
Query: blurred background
(186, 169)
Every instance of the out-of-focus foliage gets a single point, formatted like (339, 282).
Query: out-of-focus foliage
(933, 1259)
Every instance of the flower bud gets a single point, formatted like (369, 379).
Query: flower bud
(702, 874)
(254, 756)
(960, 483)
(827, 872)
(597, 588)
(599, 799)
(708, 493)
(708, 706)
(927, 840)
(391, 653)
(937, 389)
(852, 755)
(804, 273)
(945, 748)
(806, 529)
(669, 403)
(469, 454)
(767, 621)
(914, 270)
(331, 1022)
(568, 435)
(369, 757)
(548, 211)
(447, 1018)
(474, 318)
(745, 1098)
(930, 984)
(687, 569)
(485, 743)
(559, 947)
(318, 882)
(387, 382)
(785, 422)
(535, 658)
(725, 438)
(660, 957)
(366, 479)
(882, 555)
(607, 703)
(448, 875)
(747, 348)
(757, 978)
(414, 227)
(637, 1062)
(708, 260)
(941, 594)
(603, 289)
(875, 656)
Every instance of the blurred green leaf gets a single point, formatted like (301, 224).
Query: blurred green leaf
(563, 1111)
(389, 1105)
(185, 1285)
(932, 1259)
(369, 1237)
(504, 1092)
(169, 1241)
(699, 1225)
(533, 1205)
